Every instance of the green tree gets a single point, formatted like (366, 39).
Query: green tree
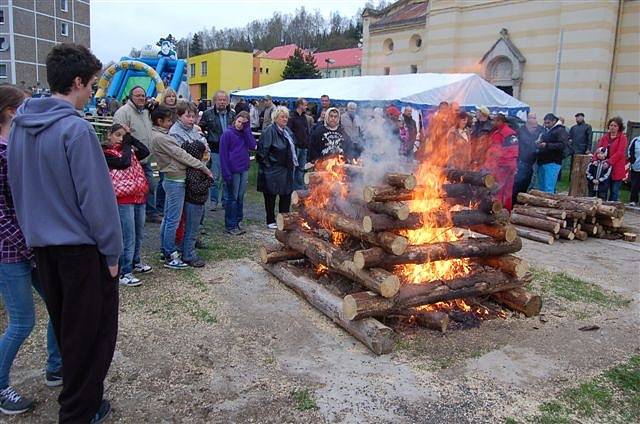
(300, 66)
(195, 48)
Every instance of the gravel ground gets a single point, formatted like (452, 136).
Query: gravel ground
(230, 344)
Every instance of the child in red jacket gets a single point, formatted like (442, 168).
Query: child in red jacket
(123, 154)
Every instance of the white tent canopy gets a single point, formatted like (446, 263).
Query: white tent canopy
(419, 90)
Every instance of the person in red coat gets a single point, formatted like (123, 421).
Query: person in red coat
(616, 142)
(502, 159)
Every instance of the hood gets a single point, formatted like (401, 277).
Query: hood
(36, 115)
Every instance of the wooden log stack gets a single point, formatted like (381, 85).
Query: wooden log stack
(367, 245)
(545, 217)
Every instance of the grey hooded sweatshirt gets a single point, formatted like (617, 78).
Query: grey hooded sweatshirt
(59, 179)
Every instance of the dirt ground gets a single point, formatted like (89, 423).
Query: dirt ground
(230, 344)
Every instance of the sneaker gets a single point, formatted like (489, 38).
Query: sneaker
(103, 412)
(154, 219)
(11, 403)
(272, 226)
(632, 204)
(53, 379)
(196, 263)
(174, 262)
(200, 244)
(234, 231)
(214, 207)
(129, 280)
(141, 268)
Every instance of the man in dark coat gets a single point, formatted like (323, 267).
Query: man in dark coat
(580, 136)
(528, 136)
(299, 126)
(552, 143)
(214, 121)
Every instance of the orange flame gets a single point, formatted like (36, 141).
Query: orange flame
(430, 178)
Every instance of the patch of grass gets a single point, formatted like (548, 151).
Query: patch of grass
(575, 290)
(200, 314)
(303, 399)
(221, 246)
(587, 398)
(510, 420)
(613, 396)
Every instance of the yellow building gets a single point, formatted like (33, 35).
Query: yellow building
(516, 44)
(219, 70)
(267, 70)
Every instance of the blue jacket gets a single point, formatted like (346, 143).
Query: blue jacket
(60, 181)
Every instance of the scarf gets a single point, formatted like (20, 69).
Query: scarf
(292, 145)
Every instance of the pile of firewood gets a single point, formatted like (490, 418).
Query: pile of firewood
(546, 217)
(359, 238)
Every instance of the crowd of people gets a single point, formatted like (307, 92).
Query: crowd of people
(75, 208)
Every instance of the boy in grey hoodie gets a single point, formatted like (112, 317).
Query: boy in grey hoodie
(67, 210)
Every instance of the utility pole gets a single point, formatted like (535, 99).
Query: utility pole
(554, 105)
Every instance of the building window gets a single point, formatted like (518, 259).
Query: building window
(64, 29)
(344, 73)
(387, 46)
(414, 69)
(192, 69)
(260, 69)
(415, 42)
(267, 71)
(4, 44)
(3, 70)
(387, 70)
(254, 69)
(64, 5)
(203, 68)
(1, 16)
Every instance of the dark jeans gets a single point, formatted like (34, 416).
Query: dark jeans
(523, 178)
(270, 205)
(151, 197)
(160, 195)
(614, 191)
(82, 300)
(298, 181)
(634, 176)
(192, 214)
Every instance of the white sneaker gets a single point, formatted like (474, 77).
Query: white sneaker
(141, 268)
(129, 280)
(174, 262)
(272, 226)
(632, 204)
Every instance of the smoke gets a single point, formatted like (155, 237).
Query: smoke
(380, 144)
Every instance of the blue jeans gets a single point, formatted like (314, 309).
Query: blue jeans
(548, 177)
(614, 191)
(160, 194)
(233, 212)
(218, 183)
(192, 215)
(16, 282)
(151, 197)
(298, 181)
(173, 203)
(132, 223)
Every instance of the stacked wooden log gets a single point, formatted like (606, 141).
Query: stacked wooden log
(546, 217)
(360, 236)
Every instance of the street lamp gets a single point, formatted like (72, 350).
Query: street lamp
(329, 61)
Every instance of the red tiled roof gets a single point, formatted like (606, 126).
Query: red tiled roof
(282, 52)
(343, 58)
(409, 13)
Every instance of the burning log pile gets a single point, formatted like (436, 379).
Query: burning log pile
(413, 245)
(546, 217)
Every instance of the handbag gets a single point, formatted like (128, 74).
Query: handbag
(130, 181)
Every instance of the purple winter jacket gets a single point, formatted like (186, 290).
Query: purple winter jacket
(234, 150)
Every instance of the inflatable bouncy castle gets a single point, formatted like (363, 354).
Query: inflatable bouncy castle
(155, 69)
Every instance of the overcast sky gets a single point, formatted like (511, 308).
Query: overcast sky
(118, 25)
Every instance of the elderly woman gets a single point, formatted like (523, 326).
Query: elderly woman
(276, 156)
(616, 143)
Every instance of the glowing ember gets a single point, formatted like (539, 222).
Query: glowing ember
(321, 270)
(338, 237)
